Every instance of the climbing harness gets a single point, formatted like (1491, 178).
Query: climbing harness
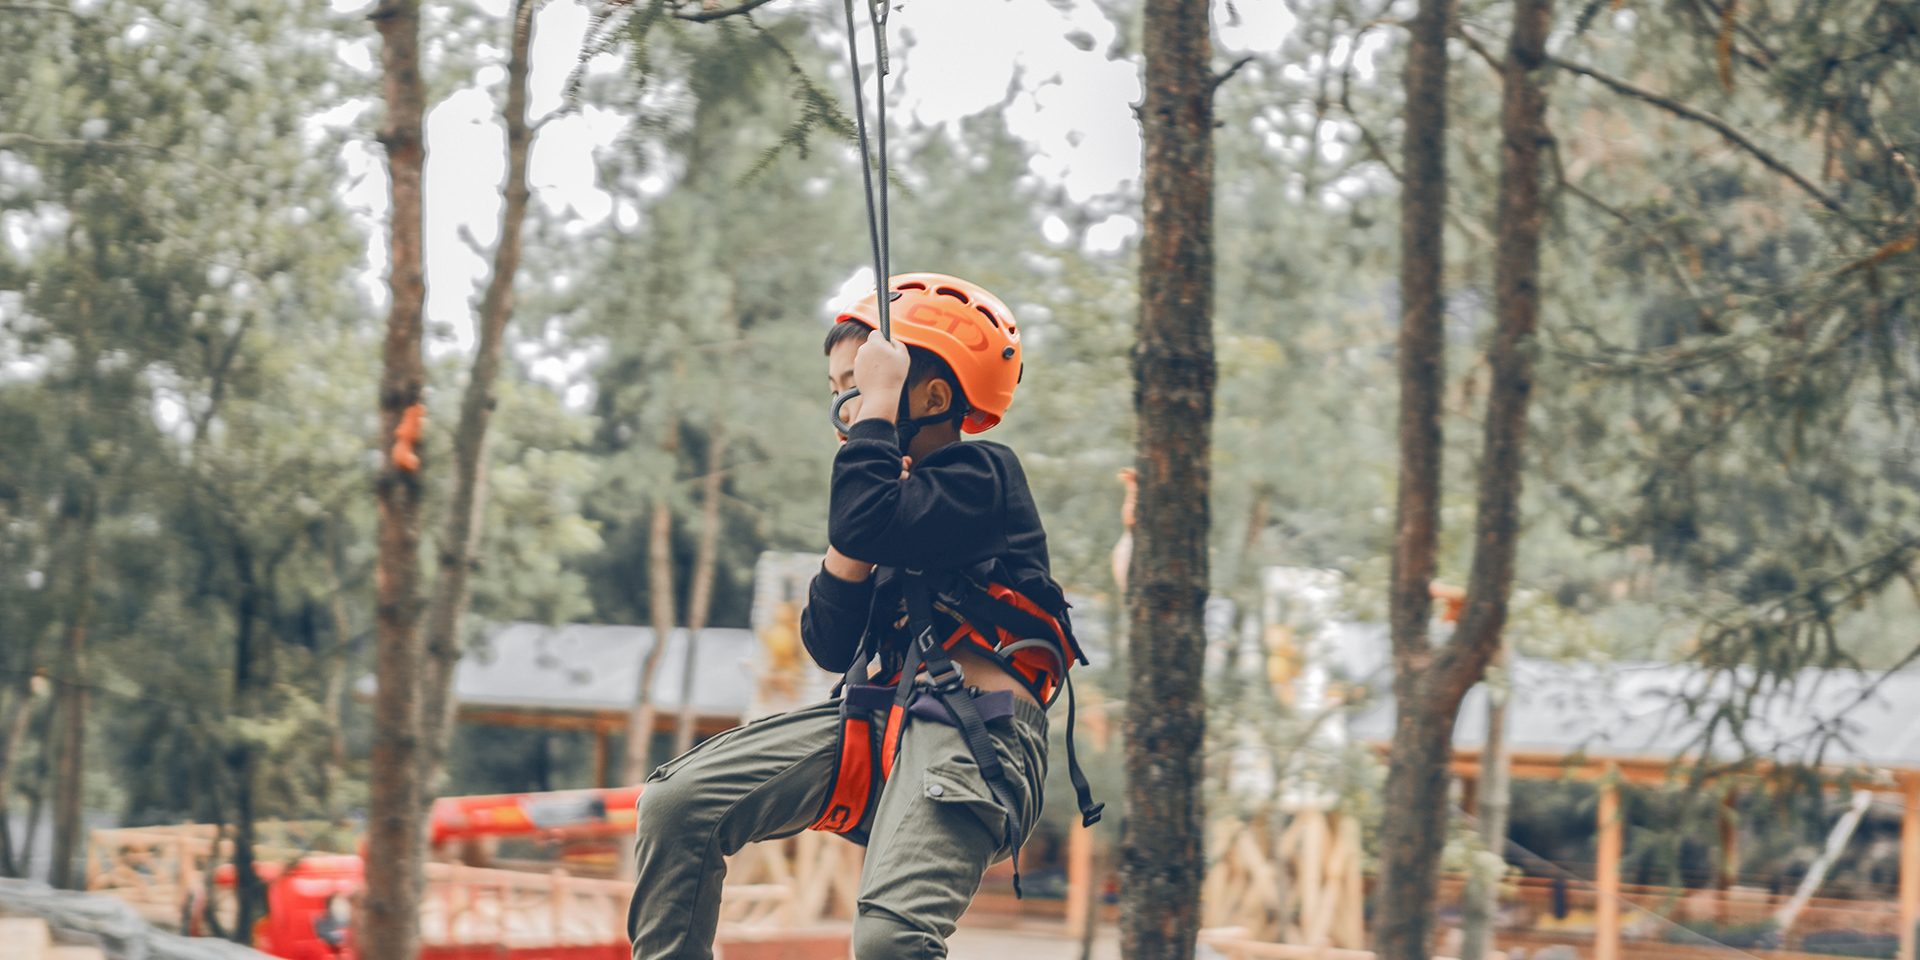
(1030, 639)
(1032, 644)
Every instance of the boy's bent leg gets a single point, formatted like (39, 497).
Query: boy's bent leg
(936, 830)
(767, 779)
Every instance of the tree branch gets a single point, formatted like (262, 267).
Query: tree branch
(707, 15)
(1221, 78)
(10, 140)
(1719, 126)
(1366, 136)
(465, 233)
(1460, 30)
(28, 140)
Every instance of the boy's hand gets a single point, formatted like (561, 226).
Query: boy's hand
(880, 371)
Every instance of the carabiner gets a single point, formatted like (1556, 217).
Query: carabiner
(833, 413)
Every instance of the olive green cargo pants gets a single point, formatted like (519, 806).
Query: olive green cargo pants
(935, 831)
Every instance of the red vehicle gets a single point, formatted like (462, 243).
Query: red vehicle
(309, 905)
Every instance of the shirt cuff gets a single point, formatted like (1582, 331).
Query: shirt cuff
(874, 430)
(841, 593)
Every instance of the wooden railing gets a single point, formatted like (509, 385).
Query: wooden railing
(1653, 910)
(785, 884)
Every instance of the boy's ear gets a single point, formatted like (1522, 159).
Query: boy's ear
(939, 397)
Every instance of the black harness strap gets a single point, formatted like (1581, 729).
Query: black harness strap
(948, 683)
(1082, 791)
(985, 614)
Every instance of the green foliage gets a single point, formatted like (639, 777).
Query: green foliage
(186, 409)
(1723, 448)
(1736, 375)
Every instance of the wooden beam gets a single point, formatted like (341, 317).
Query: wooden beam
(1537, 765)
(1910, 866)
(1606, 881)
(609, 721)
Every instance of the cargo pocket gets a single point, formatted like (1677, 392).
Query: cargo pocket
(956, 782)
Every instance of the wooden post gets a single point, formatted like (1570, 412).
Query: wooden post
(1729, 852)
(1606, 880)
(451, 902)
(1079, 879)
(1910, 867)
(1351, 931)
(600, 756)
(1310, 873)
(184, 873)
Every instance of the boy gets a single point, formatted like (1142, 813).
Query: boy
(937, 561)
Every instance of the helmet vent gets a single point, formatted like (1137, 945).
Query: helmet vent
(989, 315)
(915, 285)
(951, 292)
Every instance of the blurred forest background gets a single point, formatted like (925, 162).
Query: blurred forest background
(1723, 461)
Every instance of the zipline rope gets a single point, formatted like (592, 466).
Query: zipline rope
(877, 231)
(878, 236)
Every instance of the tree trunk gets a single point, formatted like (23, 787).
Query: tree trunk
(1161, 858)
(1412, 832)
(1480, 907)
(660, 590)
(1429, 683)
(36, 801)
(333, 700)
(19, 713)
(1497, 520)
(460, 540)
(250, 893)
(1510, 363)
(69, 780)
(700, 598)
(389, 919)
(1415, 795)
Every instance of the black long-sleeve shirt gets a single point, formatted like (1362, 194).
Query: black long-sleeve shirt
(964, 507)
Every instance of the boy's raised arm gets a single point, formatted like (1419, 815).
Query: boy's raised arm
(947, 513)
(834, 619)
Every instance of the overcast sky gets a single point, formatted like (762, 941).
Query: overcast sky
(951, 59)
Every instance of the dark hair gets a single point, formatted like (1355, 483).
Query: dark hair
(922, 363)
(843, 331)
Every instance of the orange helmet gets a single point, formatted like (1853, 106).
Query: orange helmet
(962, 324)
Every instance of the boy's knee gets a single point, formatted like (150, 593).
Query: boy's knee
(879, 935)
(666, 808)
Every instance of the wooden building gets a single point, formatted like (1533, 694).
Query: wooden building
(584, 677)
(1628, 723)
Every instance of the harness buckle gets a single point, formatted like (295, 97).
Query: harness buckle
(951, 680)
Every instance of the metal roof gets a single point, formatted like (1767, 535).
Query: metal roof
(1638, 709)
(584, 666)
